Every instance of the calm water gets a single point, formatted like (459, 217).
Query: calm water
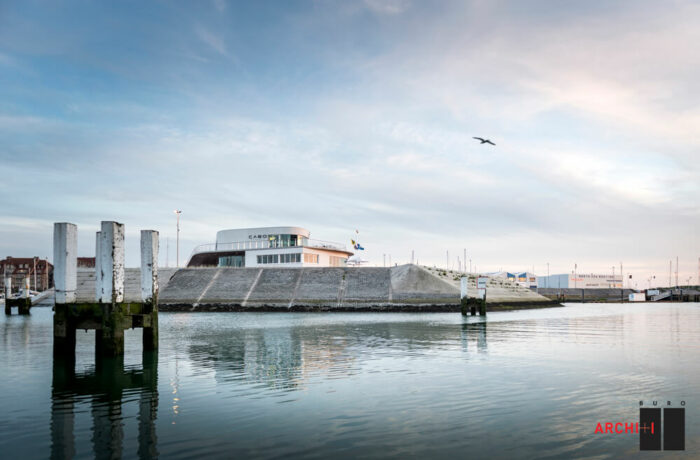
(520, 385)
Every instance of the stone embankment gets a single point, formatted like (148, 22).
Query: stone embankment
(402, 288)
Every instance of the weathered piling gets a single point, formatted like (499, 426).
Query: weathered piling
(109, 338)
(65, 245)
(149, 287)
(110, 314)
(463, 298)
(470, 305)
(8, 294)
(23, 303)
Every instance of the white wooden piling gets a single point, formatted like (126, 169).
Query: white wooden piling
(65, 249)
(463, 287)
(98, 267)
(8, 287)
(27, 286)
(111, 262)
(149, 265)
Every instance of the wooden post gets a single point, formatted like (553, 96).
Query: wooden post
(65, 249)
(463, 300)
(109, 339)
(149, 287)
(482, 305)
(98, 267)
(65, 245)
(8, 294)
(26, 302)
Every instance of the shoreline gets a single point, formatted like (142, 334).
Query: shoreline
(377, 308)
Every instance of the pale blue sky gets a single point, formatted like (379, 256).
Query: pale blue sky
(342, 115)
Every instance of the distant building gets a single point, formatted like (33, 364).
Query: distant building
(268, 246)
(86, 262)
(580, 281)
(524, 279)
(40, 273)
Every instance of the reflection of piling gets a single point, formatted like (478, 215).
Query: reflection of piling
(109, 315)
(106, 385)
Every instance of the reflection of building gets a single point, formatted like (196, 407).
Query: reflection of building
(40, 272)
(580, 280)
(268, 246)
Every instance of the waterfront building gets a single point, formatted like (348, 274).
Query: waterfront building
(40, 273)
(580, 281)
(524, 279)
(268, 246)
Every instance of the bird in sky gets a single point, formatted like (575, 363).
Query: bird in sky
(484, 141)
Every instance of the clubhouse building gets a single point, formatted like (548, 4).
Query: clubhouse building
(268, 246)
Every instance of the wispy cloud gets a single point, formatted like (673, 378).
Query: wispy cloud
(387, 6)
(214, 41)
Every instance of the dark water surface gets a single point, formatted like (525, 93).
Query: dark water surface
(522, 384)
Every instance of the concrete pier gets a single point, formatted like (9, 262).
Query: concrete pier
(109, 315)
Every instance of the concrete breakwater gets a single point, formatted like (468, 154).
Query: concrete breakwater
(402, 288)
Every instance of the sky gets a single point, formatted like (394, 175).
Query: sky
(339, 116)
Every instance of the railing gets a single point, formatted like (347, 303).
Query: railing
(265, 244)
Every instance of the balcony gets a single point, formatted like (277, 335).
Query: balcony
(265, 244)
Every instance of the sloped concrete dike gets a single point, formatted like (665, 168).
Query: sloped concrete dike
(402, 288)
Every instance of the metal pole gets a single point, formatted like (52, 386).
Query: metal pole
(676, 271)
(547, 274)
(177, 253)
(35, 275)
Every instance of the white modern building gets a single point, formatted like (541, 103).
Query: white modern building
(268, 246)
(580, 281)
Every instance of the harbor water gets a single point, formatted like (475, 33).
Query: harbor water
(521, 384)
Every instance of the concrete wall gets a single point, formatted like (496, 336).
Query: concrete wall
(406, 287)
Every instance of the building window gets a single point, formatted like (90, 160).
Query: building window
(268, 259)
(232, 261)
(290, 258)
(311, 258)
(336, 261)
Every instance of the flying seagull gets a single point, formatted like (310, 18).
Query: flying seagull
(484, 141)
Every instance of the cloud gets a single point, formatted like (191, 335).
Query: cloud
(387, 6)
(220, 5)
(216, 42)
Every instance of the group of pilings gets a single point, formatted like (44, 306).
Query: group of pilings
(109, 314)
(23, 303)
(470, 305)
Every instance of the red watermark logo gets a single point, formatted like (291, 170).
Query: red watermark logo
(656, 427)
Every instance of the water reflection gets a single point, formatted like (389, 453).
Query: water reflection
(285, 358)
(474, 331)
(105, 388)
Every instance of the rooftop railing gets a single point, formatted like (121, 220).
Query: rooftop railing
(266, 244)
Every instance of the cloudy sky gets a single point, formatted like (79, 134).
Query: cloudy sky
(338, 116)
